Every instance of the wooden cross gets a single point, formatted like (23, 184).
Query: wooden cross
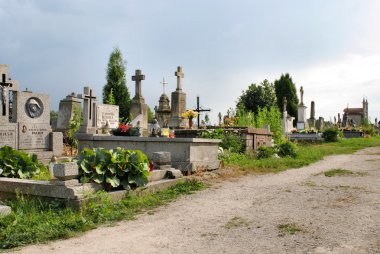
(90, 97)
(163, 84)
(137, 78)
(180, 75)
(199, 110)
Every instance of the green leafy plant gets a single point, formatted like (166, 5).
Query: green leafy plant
(287, 148)
(113, 168)
(331, 135)
(75, 123)
(18, 164)
(265, 152)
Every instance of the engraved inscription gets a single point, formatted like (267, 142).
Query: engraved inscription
(34, 136)
(8, 136)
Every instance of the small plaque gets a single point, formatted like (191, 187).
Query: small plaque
(107, 114)
(8, 136)
(33, 136)
(300, 126)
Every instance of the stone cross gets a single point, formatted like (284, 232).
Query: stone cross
(89, 97)
(312, 110)
(180, 75)
(137, 78)
(163, 84)
(301, 91)
(285, 103)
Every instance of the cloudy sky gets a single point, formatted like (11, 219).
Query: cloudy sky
(330, 47)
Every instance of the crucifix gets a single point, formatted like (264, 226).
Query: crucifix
(4, 89)
(90, 97)
(180, 75)
(163, 84)
(137, 78)
(199, 110)
(301, 91)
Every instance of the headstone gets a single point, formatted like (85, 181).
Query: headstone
(25, 119)
(301, 123)
(162, 112)
(320, 123)
(178, 104)
(107, 116)
(67, 108)
(138, 106)
(287, 121)
(88, 112)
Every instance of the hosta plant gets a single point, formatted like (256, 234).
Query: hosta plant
(113, 168)
(18, 164)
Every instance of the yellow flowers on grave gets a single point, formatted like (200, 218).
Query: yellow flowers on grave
(190, 114)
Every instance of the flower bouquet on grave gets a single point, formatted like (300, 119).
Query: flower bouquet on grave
(125, 129)
(190, 114)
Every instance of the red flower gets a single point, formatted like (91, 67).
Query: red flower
(123, 127)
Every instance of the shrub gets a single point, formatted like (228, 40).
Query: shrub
(331, 135)
(287, 149)
(18, 164)
(265, 152)
(113, 168)
(233, 142)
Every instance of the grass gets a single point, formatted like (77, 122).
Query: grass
(289, 228)
(307, 154)
(35, 221)
(338, 172)
(236, 222)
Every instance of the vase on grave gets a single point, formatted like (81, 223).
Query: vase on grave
(190, 123)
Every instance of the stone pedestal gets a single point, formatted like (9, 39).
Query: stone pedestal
(138, 107)
(301, 123)
(178, 107)
(67, 107)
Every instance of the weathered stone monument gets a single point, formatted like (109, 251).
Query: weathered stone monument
(357, 115)
(88, 112)
(162, 112)
(67, 108)
(138, 106)
(320, 123)
(25, 120)
(312, 119)
(301, 123)
(178, 99)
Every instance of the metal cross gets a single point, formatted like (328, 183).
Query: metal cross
(199, 110)
(163, 84)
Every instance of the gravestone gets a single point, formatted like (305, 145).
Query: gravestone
(301, 123)
(107, 116)
(138, 106)
(67, 108)
(287, 120)
(88, 112)
(178, 99)
(320, 123)
(25, 120)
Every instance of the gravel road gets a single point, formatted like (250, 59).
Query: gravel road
(318, 214)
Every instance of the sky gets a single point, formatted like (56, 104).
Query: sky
(331, 48)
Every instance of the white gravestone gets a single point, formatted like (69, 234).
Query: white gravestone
(107, 116)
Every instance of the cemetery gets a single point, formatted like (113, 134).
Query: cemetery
(111, 154)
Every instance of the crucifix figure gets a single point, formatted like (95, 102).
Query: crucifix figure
(137, 78)
(180, 75)
(301, 91)
(163, 84)
(4, 90)
(199, 110)
(90, 97)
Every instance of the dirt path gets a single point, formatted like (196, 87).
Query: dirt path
(338, 214)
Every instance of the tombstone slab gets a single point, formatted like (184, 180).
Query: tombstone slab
(34, 136)
(178, 101)
(8, 135)
(67, 108)
(107, 116)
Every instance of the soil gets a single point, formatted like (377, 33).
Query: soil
(296, 211)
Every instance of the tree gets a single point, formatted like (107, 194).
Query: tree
(116, 82)
(258, 96)
(286, 88)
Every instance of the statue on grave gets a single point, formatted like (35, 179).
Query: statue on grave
(33, 108)
(301, 91)
(220, 118)
(156, 130)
